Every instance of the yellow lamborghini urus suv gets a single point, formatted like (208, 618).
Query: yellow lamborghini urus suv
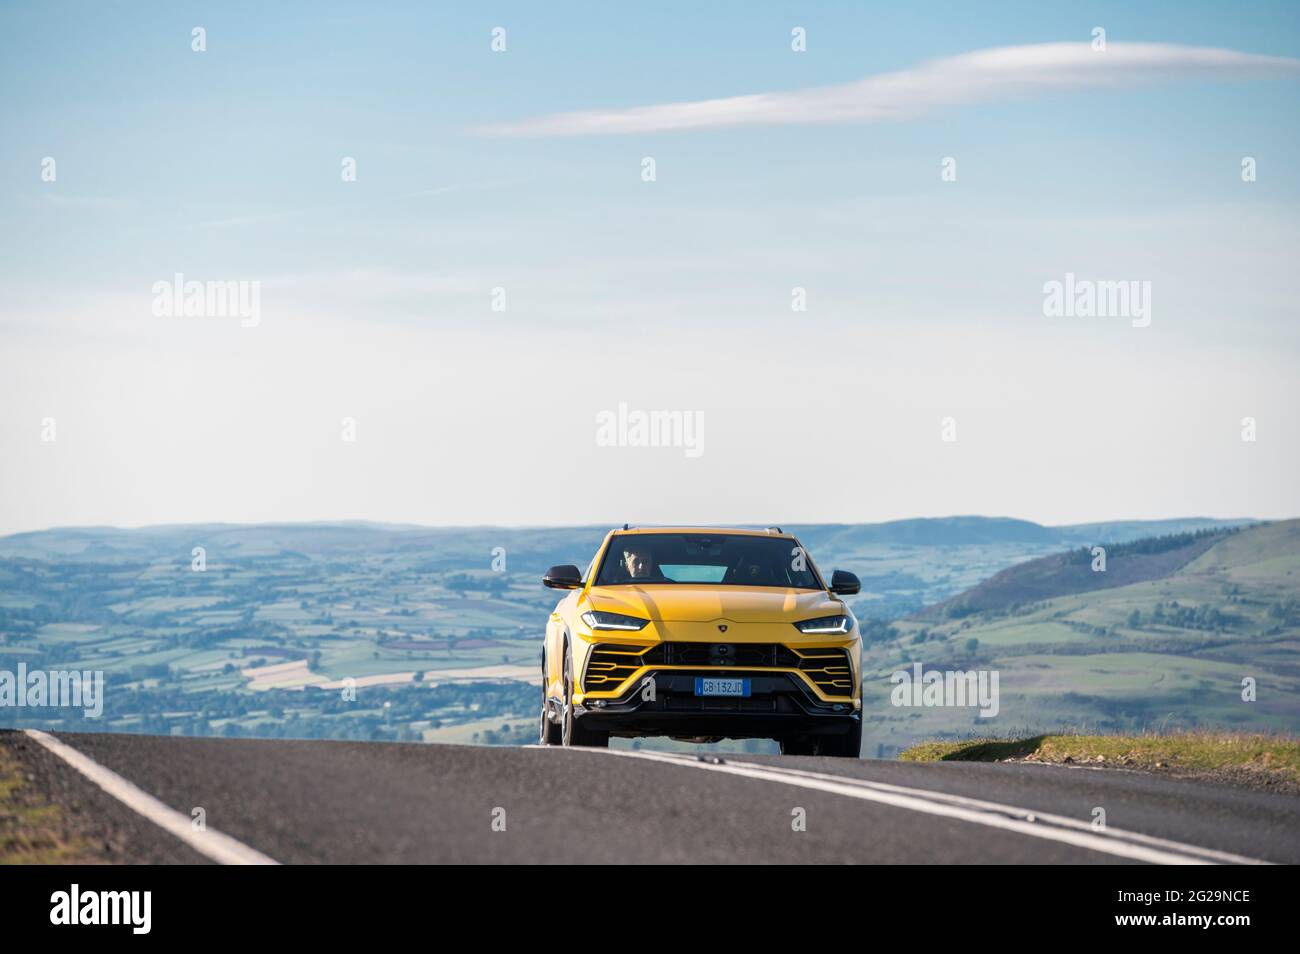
(703, 634)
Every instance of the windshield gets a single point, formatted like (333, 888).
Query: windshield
(723, 559)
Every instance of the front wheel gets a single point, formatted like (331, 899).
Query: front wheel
(797, 745)
(550, 731)
(846, 746)
(572, 731)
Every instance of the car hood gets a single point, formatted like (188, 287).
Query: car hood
(697, 603)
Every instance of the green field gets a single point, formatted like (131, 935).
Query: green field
(1165, 653)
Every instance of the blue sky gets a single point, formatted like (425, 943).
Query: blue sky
(925, 297)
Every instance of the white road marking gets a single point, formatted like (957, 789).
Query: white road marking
(212, 844)
(1059, 828)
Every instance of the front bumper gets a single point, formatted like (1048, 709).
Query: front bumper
(779, 704)
(826, 670)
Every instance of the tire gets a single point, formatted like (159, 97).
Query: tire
(846, 746)
(550, 732)
(797, 745)
(571, 731)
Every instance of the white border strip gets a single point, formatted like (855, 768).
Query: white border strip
(212, 844)
(1059, 828)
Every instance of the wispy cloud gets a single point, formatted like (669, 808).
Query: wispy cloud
(982, 76)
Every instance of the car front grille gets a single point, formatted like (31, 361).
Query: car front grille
(829, 669)
(727, 654)
(610, 664)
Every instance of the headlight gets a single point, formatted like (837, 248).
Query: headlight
(598, 620)
(833, 625)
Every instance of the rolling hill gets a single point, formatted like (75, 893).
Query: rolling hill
(1081, 571)
(1165, 636)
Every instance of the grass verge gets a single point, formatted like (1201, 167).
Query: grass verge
(1270, 760)
(31, 830)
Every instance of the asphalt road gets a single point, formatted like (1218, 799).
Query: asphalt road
(357, 802)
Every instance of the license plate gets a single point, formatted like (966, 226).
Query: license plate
(705, 686)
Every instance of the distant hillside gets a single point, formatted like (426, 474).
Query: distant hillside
(904, 565)
(460, 543)
(1183, 631)
(1121, 531)
(1065, 573)
(982, 531)
(438, 547)
(930, 532)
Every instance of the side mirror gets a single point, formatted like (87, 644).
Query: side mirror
(563, 577)
(844, 583)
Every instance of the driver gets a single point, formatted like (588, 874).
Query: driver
(640, 564)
